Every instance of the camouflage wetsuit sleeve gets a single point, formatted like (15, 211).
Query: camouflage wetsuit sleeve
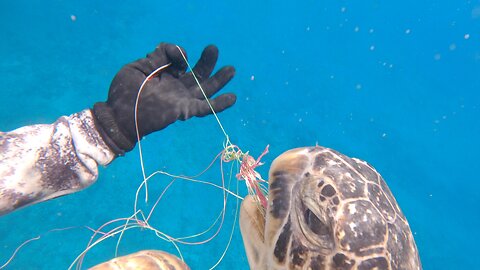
(41, 162)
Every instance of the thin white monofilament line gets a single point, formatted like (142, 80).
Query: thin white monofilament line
(231, 232)
(204, 95)
(17, 249)
(136, 123)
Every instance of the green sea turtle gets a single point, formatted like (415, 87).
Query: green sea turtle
(326, 211)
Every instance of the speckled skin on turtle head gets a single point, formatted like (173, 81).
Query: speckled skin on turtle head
(326, 211)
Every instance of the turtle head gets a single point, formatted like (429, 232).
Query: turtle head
(296, 229)
(326, 211)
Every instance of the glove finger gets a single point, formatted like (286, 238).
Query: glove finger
(204, 66)
(174, 55)
(165, 53)
(219, 104)
(213, 84)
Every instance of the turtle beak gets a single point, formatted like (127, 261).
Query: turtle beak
(252, 226)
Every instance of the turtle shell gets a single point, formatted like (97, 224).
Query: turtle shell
(144, 260)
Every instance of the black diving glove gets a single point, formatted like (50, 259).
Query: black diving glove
(169, 96)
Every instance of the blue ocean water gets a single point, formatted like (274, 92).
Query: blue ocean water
(396, 84)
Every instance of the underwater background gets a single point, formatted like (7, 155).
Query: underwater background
(395, 83)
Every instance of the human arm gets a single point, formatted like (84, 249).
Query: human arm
(42, 162)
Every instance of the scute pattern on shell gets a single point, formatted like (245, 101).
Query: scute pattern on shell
(329, 211)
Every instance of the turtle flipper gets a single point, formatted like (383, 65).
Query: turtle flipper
(252, 226)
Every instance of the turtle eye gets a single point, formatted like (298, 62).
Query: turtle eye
(315, 224)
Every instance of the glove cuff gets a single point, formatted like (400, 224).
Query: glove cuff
(109, 129)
